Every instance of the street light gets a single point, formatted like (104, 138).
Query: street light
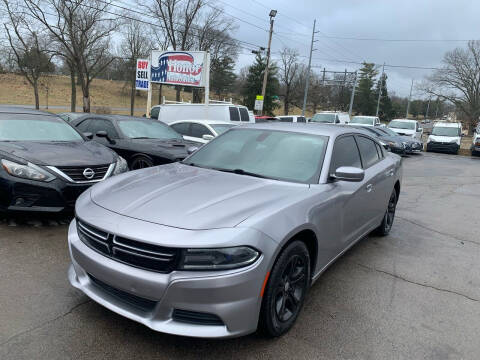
(273, 13)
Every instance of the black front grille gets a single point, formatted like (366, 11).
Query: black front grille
(76, 173)
(131, 252)
(132, 300)
(193, 317)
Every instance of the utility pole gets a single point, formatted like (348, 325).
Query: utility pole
(305, 95)
(380, 89)
(352, 96)
(409, 98)
(265, 75)
(428, 108)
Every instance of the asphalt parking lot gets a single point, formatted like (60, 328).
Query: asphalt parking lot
(412, 295)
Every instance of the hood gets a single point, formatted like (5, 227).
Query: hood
(408, 139)
(190, 197)
(403, 131)
(78, 153)
(174, 149)
(439, 138)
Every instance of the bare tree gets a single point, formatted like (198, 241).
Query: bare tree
(458, 81)
(289, 73)
(136, 44)
(28, 46)
(83, 30)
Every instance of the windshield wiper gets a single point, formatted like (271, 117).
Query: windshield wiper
(243, 172)
(141, 137)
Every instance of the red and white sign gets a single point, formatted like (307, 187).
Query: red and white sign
(178, 68)
(142, 75)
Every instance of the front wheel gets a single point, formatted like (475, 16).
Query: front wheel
(286, 288)
(141, 162)
(387, 222)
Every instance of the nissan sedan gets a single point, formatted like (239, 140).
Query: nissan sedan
(231, 239)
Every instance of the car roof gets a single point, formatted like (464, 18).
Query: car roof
(13, 109)
(366, 116)
(204, 121)
(282, 116)
(307, 128)
(405, 120)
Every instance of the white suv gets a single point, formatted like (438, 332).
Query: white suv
(445, 137)
(361, 120)
(330, 117)
(407, 127)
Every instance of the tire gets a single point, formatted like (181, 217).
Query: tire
(387, 222)
(286, 289)
(141, 162)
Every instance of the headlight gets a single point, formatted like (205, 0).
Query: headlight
(121, 166)
(29, 171)
(429, 139)
(218, 259)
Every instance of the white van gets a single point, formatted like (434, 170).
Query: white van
(361, 120)
(292, 118)
(476, 142)
(184, 111)
(407, 127)
(445, 137)
(330, 117)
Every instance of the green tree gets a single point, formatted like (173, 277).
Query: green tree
(386, 111)
(222, 76)
(253, 85)
(365, 97)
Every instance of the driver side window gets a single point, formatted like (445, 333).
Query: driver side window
(345, 153)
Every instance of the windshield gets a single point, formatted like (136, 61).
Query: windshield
(147, 129)
(446, 131)
(323, 118)
(399, 124)
(362, 120)
(271, 154)
(37, 128)
(221, 128)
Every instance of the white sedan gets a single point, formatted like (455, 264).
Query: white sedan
(200, 131)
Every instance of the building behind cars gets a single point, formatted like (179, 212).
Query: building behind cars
(330, 117)
(445, 137)
(185, 111)
(46, 163)
(200, 131)
(407, 127)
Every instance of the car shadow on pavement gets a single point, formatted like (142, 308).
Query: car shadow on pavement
(35, 219)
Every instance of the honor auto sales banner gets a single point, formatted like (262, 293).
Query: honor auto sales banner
(178, 68)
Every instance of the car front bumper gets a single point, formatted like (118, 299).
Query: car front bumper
(21, 195)
(443, 147)
(152, 298)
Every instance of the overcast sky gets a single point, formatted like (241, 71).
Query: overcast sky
(384, 19)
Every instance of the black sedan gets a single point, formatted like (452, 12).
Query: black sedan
(411, 145)
(391, 143)
(142, 142)
(46, 164)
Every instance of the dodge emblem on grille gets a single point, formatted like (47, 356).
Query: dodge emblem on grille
(88, 173)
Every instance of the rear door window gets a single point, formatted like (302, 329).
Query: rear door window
(244, 114)
(368, 151)
(301, 119)
(234, 114)
(345, 153)
(286, 119)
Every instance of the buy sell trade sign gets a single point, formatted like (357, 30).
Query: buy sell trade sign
(142, 77)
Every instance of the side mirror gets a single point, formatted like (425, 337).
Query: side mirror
(348, 173)
(103, 134)
(420, 129)
(207, 137)
(88, 135)
(192, 149)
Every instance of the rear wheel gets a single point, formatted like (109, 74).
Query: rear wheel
(389, 216)
(286, 288)
(141, 162)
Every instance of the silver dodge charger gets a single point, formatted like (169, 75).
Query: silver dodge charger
(231, 239)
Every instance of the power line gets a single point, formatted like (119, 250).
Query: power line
(395, 40)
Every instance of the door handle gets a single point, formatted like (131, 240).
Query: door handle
(389, 172)
(369, 187)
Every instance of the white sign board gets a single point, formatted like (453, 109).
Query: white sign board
(142, 76)
(258, 105)
(179, 68)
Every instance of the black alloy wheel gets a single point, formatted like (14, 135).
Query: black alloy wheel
(141, 162)
(387, 221)
(286, 290)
